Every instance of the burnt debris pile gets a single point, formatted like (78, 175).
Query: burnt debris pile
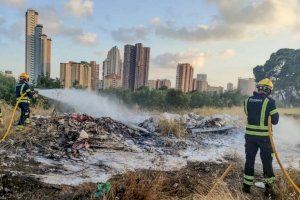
(69, 135)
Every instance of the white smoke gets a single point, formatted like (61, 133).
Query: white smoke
(94, 104)
(287, 140)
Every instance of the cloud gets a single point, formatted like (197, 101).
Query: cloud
(170, 60)
(155, 21)
(237, 20)
(13, 31)
(228, 53)
(130, 34)
(54, 26)
(15, 3)
(198, 33)
(80, 8)
(88, 39)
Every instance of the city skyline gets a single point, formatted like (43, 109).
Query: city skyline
(37, 48)
(202, 33)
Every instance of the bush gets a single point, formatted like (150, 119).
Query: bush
(47, 82)
(7, 89)
(171, 99)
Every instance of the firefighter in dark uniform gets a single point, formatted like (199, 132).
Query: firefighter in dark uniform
(258, 108)
(24, 93)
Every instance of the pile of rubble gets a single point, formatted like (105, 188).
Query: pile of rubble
(77, 148)
(65, 136)
(191, 121)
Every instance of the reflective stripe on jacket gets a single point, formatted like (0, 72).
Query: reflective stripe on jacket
(258, 108)
(23, 89)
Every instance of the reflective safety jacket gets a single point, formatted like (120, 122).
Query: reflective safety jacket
(258, 108)
(21, 89)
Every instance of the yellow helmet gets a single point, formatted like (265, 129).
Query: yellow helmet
(24, 75)
(266, 82)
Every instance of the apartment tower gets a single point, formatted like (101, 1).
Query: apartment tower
(246, 86)
(37, 48)
(94, 75)
(112, 69)
(38, 31)
(45, 55)
(31, 19)
(66, 74)
(163, 83)
(184, 77)
(136, 66)
(80, 75)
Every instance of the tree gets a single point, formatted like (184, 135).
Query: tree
(7, 89)
(176, 99)
(47, 82)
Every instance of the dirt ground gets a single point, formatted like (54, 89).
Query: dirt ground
(190, 183)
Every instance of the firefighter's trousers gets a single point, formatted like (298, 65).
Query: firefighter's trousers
(25, 112)
(253, 143)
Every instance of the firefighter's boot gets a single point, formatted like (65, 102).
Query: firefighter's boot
(246, 188)
(270, 192)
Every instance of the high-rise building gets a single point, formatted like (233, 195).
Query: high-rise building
(37, 51)
(113, 62)
(80, 75)
(136, 66)
(229, 86)
(45, 55)
(112, 65)
(200, 85)
(66, 75)
(152, 84)
(94, 75)
(112, 81)
(184, 77)
(37, 48)
(31, 19)
(202, 77)
(246, 86)
(163, 83)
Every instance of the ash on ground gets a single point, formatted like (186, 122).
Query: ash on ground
(76, 148)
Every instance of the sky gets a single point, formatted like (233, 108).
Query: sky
(224, 39)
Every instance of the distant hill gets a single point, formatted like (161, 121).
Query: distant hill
(283, 68)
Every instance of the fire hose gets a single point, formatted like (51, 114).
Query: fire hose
(12, 118)
(285, 173)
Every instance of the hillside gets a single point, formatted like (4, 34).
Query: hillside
(283, 68)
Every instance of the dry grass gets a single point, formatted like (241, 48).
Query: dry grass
(174, 127)
(39, 110)
(214, 110)
(7, 114)
(193, 183)
(293, 112)
(285, 190)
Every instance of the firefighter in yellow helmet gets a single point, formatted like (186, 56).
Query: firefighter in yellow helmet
(24, 93)
(258, 108)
